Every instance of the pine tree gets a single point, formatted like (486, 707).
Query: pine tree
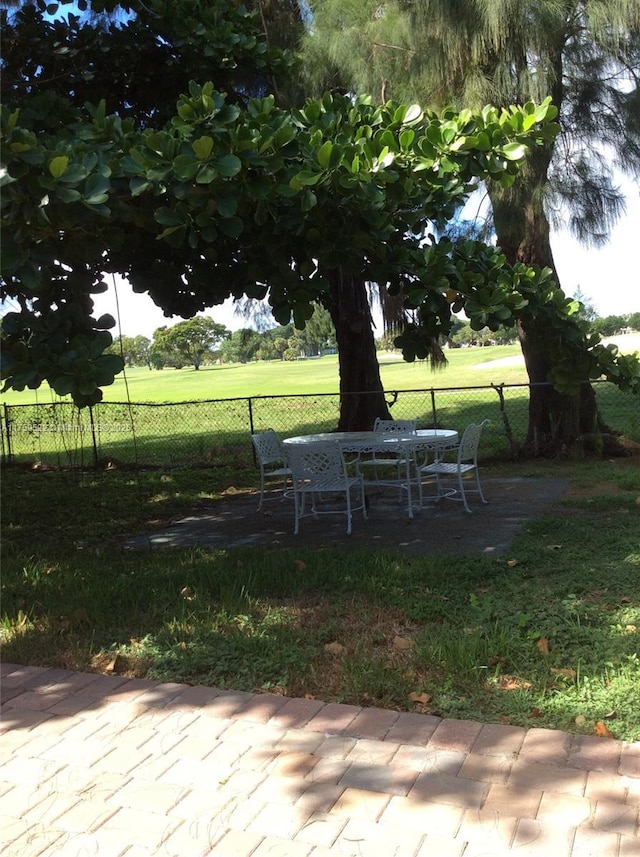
(585, 54)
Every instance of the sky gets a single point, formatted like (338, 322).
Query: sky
(608, 278)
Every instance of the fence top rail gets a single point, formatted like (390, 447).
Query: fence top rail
(8, 405)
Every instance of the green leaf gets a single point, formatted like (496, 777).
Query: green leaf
(406, 138)
(227, 204)
(202, 147)
(206, 174)
(105, 322)
(283, 136)
(167, 217)
(309, 200)
(58, 166)
(63, 384)
(175, 234)
(67, 194)
(96, 189)
(231, 226)
(514, 151)
(228, 165)
(139, 186)
(414, 112)
(74, 174)
(324, 154)
(305, 178)
(185, 167)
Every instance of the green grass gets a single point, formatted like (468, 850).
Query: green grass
(317, 375)
(205, 423)
(260, 620)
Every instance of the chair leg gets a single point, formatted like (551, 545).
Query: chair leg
(482, 497)
(299, 503)
(261, 491)
(463, 495)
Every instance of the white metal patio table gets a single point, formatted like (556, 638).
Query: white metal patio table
(406, 444)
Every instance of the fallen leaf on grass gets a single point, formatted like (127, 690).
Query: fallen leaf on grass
(610, 715)
(542, 645)
(402, 644)
(300, 564)
(630, 629)
(334, 648)
(512, 682)
(602, 731)
(535, 712)
(512, 563)
(580, 720)
(421, 698)
(567, 673)
(554, 547)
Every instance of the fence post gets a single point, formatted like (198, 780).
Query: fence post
(7, 423)
(251, 429)
(433, 408)
(93, 437)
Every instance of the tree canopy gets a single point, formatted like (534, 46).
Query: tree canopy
(229, 198)
(584, 54)
(190, 340)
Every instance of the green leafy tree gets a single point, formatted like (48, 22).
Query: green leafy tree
(587, 310)
(280, 345)
(134, 350)
(318, 333)
(609, 325)
(241, 347)
(585, 54)
(191, 340)
(634, 321)
(300, 206)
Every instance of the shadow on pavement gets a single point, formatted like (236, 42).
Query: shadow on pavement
(436, 528)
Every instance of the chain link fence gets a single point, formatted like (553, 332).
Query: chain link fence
(208, 433)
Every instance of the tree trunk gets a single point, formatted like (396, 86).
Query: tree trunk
(361, 391)
(556, 421)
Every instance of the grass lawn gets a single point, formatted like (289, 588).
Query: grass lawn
(207, 414)
(549, 636)
(467, 367)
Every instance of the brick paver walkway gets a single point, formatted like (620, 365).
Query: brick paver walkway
(107, 766)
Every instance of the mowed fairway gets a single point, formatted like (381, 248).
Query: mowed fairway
(466, 367)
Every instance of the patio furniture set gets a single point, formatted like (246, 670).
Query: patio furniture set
(396, 454)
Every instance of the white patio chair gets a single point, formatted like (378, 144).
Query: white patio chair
(466, 461)
(396, 461)
(272, 460)
(319, 469)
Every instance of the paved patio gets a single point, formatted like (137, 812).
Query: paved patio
(108, 766)
(444, 527)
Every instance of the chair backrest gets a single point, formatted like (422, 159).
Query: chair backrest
(317, 466)
(268, 446)
(399, 426)
(468, 449)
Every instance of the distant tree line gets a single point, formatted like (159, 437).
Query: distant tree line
(201, 340)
